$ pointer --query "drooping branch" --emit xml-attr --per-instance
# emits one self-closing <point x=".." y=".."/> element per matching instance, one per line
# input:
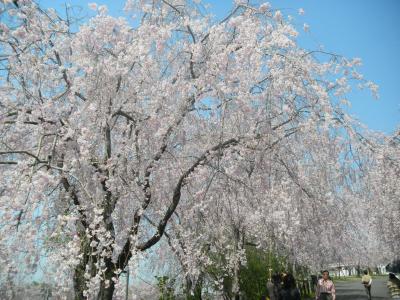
<point x="164" y="143"/>
<point x="8" y="163"/>
<point x="24" y="152"/>
<point x="70" y="189"/>
<point x="209" y="154"/>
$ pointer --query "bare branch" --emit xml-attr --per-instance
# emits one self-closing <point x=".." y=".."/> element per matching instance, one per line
<point x="23" y="152"/>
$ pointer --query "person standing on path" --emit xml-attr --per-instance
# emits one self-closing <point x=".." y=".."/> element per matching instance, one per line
<point x="289" y="289"/>
<point x="274" y="287"/>
<point x="367" y="282"/>
<point x="325" y="288"/>
<point x="394" y="286"/>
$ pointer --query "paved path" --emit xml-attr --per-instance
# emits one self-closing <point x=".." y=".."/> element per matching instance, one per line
<point x="354" y="290"/>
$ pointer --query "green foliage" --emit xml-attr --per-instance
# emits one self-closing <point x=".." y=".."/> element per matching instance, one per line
<point x="197" y="291"/>
<point x="260" y="265"/>
<point x="217" y="273"/>
<point x="166" y="287"/>
<point x="254" y="276"/>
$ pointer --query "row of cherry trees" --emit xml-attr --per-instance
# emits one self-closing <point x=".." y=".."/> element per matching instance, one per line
<point x="209" y="136"/>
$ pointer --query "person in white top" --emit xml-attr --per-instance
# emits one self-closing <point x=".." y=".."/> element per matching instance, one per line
<point x="325" y="288"/>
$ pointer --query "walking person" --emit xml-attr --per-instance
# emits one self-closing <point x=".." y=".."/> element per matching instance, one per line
<point x="325" y="288"/>
<point x="289" y="289"/>
<point x="394" y="286"/>
<point x="366" y="280"/>
<point x="274" y="287"/>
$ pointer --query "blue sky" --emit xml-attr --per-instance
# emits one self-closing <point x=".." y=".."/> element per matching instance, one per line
<point x="369" y="29"/>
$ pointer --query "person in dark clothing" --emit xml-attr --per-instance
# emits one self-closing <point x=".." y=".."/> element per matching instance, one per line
<point x="314" y="280"/>
<point x="274" y="287"/>
<point x="289" y="289"/>
<point x="394" y="286"/>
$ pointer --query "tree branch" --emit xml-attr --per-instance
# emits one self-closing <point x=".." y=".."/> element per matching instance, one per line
<point x="126" y="254"/>
<point x="23" y="152"/>
<point x="68" y="188"/>
<point x="177" y="191"/>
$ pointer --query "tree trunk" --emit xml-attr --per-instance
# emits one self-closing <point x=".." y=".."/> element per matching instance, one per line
<point x="236" y="270"/>
<point x="198" y="288"/>
<point x="294" y="268"/>
<point x="79" y="282"/>
<point x="188" y="287"/>
<point x="196" y="293"/>
<point x="106" y="293"/>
